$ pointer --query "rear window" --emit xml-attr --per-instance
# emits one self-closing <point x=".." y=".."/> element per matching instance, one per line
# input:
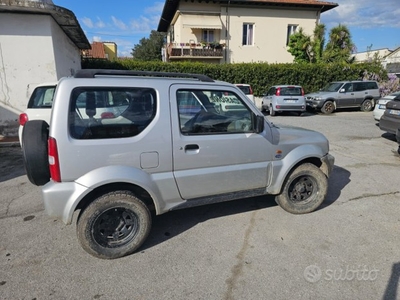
<point x="290" y="91"/>
<point x="245" y="89"/>
<point x="104" y="113"/>
<point x="42" y="97"/>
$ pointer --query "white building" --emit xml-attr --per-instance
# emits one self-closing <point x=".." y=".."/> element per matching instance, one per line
<point x="39" y="42"/>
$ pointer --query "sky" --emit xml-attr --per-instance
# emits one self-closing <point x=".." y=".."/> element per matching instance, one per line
<point x="372" y="23"/>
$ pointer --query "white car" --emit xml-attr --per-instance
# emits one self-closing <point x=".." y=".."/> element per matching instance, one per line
<point x="39" y="106"/>
<point x="380" y="105"/>
<point x="246" y="89"/>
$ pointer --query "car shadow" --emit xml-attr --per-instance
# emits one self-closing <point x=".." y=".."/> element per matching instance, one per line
<point x="11" y="162"/>
<point x="176" y="222"/>
<point x="338" y="179"/>
<point x="389" y="136"/>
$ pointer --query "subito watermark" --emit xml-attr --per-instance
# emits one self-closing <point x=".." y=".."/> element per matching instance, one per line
<point x="314" y="273"/>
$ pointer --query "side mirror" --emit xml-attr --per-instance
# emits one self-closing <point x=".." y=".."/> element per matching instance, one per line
<point x="260" y="124"/>
<point x="342" y="91"/>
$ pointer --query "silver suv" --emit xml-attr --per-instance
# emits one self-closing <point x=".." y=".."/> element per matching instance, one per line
<point x="177" y="141"/>
<point x="344" y="94"/>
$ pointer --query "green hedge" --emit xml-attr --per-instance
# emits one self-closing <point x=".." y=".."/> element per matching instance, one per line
<point x="260" y="75"/>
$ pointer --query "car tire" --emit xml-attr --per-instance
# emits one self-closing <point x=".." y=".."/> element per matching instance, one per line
<point x="114" y="225"/>
<point x="367" y="105"/>
<point x="34" y="151"/>
<point x="328" y="107"/>
<point x="304" y="190"/>
<point x="272" y="112"/>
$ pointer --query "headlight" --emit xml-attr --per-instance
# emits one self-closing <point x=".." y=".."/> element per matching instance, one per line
<point x="318" y="98"/>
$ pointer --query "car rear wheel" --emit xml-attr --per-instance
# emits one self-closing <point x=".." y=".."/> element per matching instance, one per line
<point x="367" y="105"/>
<point x="34" y="150"/>
<point x="272" y="112"/>
<point x="304" y="190"/>
<point x="114" y="225"/>
<point x="328" y="107"/>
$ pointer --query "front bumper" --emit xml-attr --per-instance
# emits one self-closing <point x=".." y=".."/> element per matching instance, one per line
<point x="328" y="161"/>
<point x="314" y="103"/>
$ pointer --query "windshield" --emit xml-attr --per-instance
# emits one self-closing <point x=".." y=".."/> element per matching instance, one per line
<point x="332" y="87"/>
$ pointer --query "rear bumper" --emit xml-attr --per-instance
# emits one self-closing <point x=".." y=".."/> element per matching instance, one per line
<point x="283" y="107"/>
<point x="389" y="124"/>
<point x="61" y="199"/>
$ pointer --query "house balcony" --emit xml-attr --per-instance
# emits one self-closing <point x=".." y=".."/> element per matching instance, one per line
<point x="194" y="52"/>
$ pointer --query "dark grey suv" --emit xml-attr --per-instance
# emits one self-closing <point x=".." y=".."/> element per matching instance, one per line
<point x="344" y="94"/>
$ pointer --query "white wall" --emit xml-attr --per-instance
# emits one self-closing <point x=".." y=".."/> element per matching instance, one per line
<point x="270" y="32"/>
<point x="33" y="49"/>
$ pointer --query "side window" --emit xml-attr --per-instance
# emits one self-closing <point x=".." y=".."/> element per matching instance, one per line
<point x="348" y="87"/>
<point x="271" y="91"/>
<point x="205" y="112"/>
<point x="42" y="97"/>
<point x="104" y="113"/>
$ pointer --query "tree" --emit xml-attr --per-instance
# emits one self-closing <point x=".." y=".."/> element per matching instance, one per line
<point x="149" y="48"/>
<point x="311" y="49"/>
<point x="299" y="46"/>
<point x="340" y="46"/>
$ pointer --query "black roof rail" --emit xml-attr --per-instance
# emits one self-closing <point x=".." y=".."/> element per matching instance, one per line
<point x="92" y="73"/>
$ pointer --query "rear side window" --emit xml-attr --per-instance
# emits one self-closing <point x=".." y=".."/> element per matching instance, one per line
<point x="371" y="85"/>
<point x="105" y="113"/>
<point x="42" y="97"/>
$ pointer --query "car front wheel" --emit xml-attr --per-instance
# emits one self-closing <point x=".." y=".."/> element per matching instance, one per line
<point x="114" y="225"/>
<point x="328" y="107"/>
<point x="304" y="190"/>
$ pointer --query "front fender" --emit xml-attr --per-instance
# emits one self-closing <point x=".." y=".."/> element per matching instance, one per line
<point x="281" y="168"/>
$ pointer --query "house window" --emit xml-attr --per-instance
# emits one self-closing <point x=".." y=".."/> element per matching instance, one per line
<point x="291" y="29"/>
<point x="208" y="36"/>
<point x="248" y="34"/>
<point x="171" y="34"/>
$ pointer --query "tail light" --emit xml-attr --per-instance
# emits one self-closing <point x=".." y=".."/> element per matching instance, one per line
<point x="54" y="163"/>
<point x="107" y="115"/>
<point x="250" y="90"/>
<point x="278" y="92"/>
<point x="23" y="118"/>
<point x="302" y="91"/>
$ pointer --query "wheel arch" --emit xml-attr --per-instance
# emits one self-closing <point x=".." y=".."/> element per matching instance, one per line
<point x="285" y="167"/>
<point x="135" y="189"/>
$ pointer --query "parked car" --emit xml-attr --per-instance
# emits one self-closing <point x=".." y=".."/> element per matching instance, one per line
<point x="171" y="148"/>
<point x="390" y="120"/>
<point x="39" y="106"/>
<point x="344" y="94"/>
<point x="280" y="98"/>
<point x="380" y="105"/>
<point x="246" y="89"/>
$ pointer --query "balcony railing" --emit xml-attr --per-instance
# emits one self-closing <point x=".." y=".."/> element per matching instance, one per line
<point x="194" y="52"/>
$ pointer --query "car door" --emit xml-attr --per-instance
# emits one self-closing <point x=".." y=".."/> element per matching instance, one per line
<point x="267" y="100"/>
<point x="360" y="92"/>
<point x="346" y="96"/>
<point x="216" y="151"/>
